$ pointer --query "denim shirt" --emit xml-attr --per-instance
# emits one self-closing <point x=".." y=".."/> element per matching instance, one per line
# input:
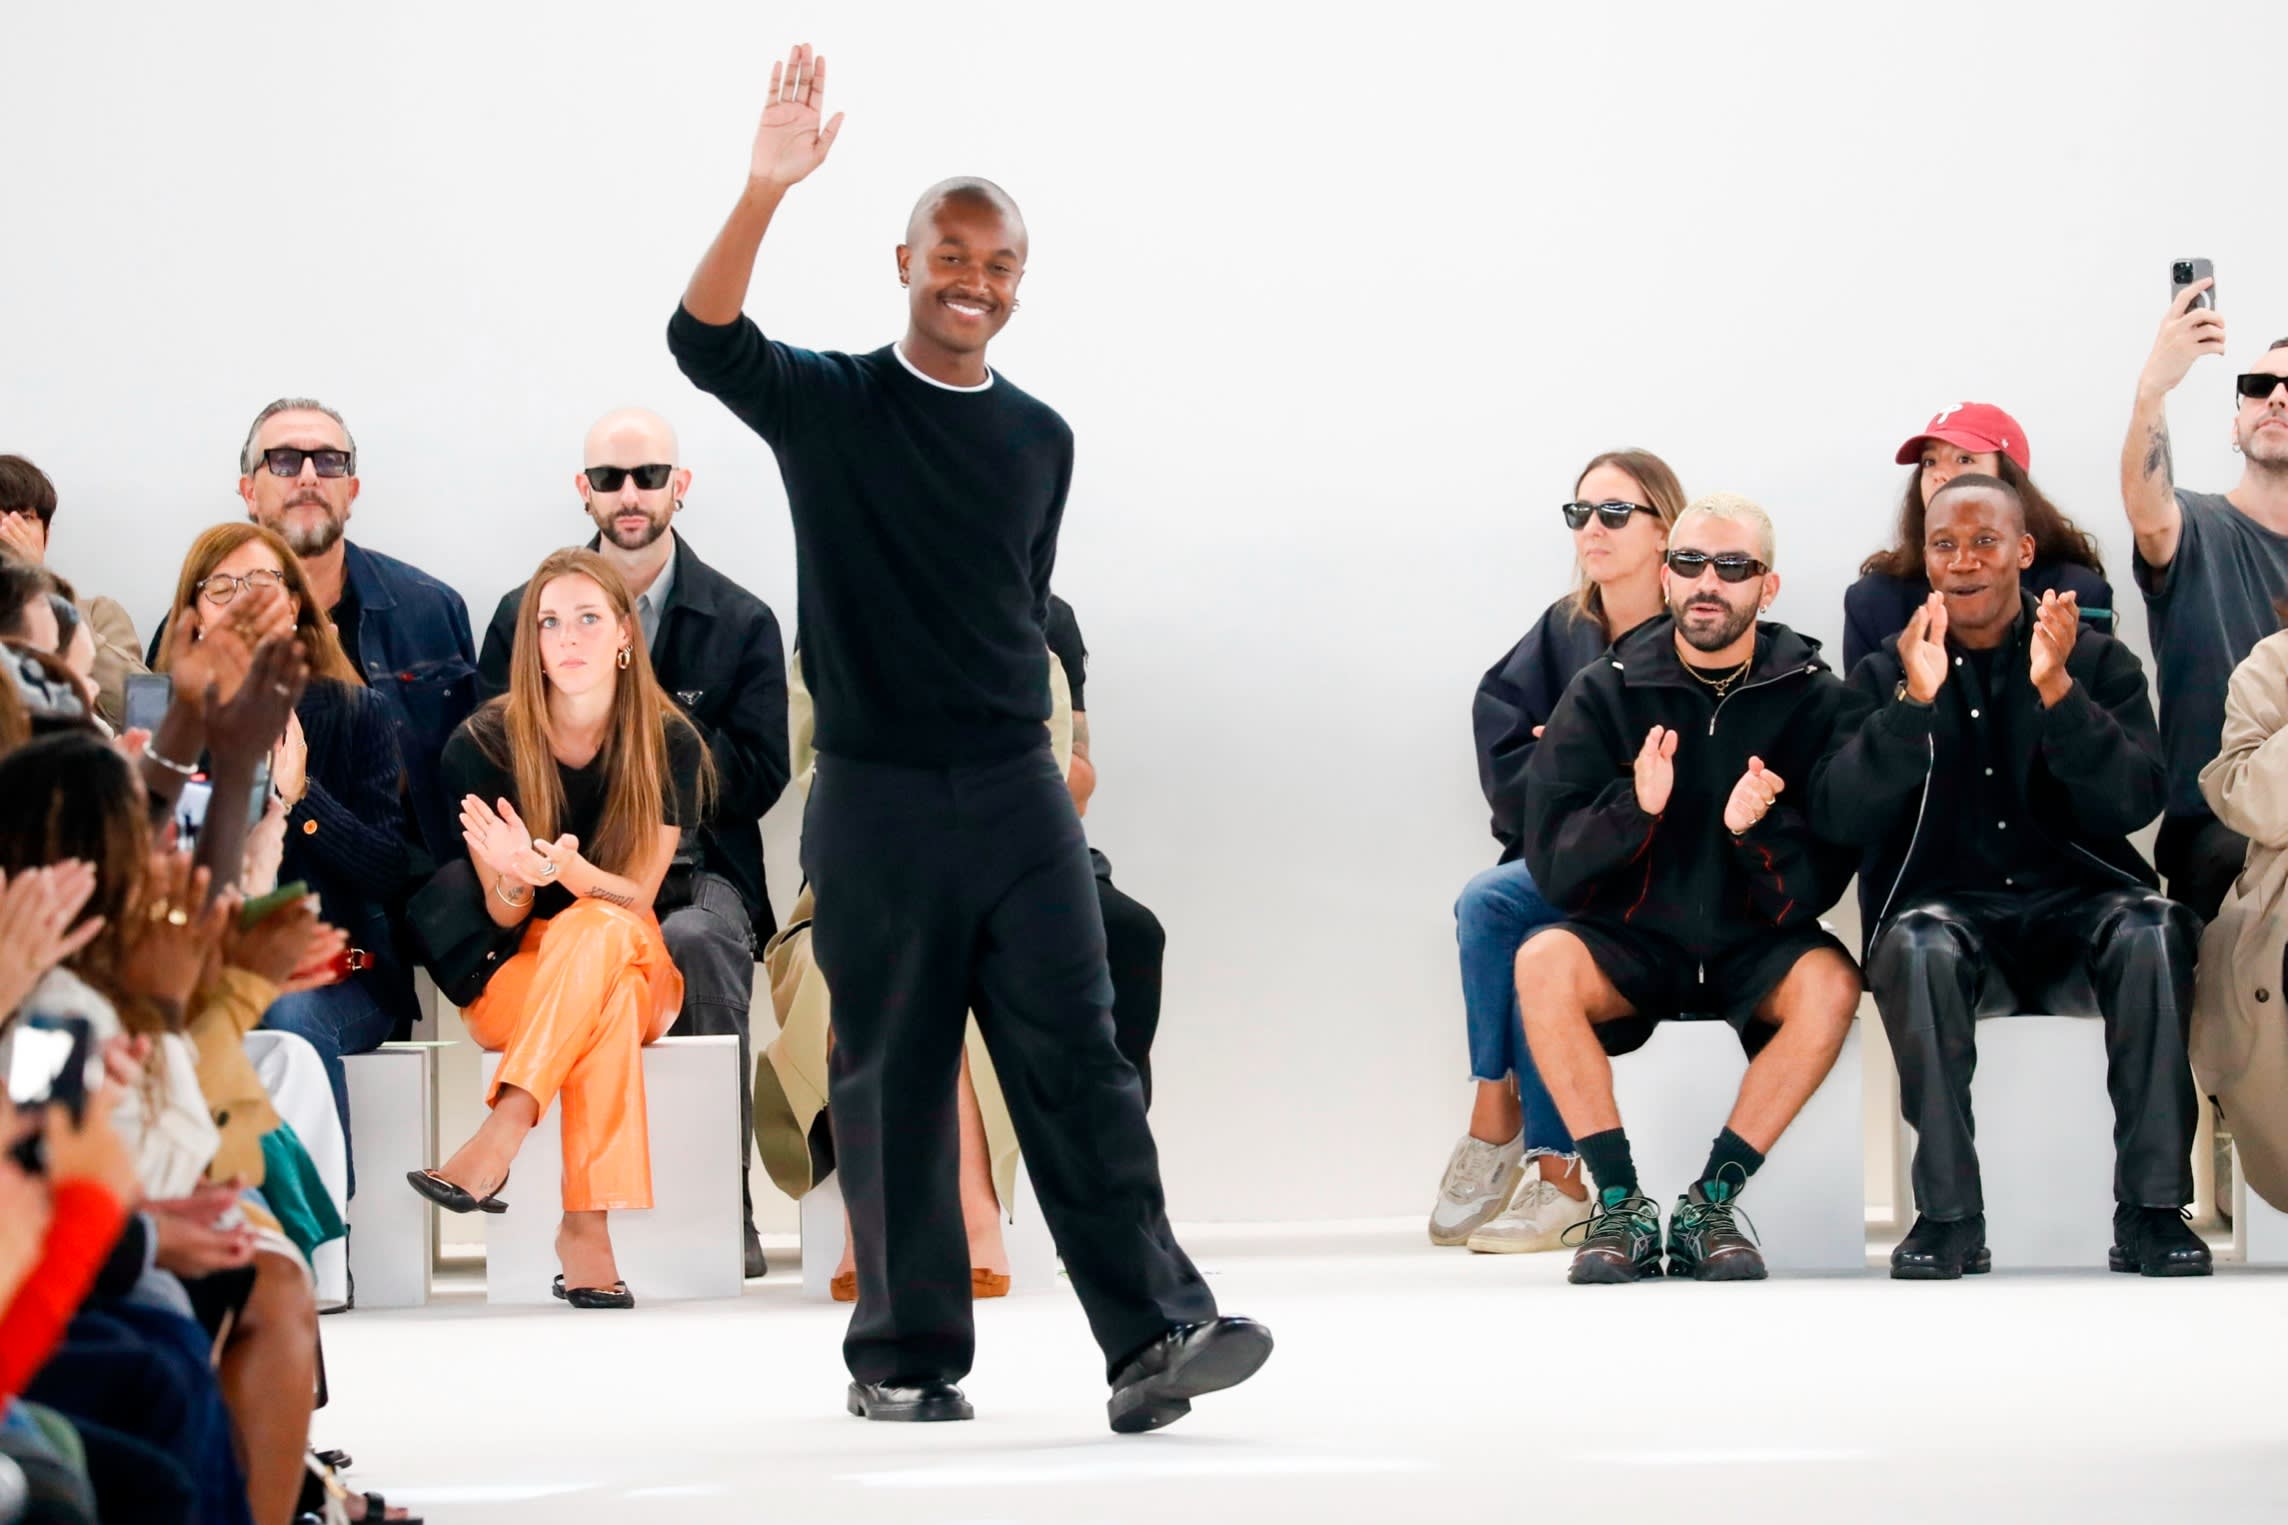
<point x="418" y="655"/>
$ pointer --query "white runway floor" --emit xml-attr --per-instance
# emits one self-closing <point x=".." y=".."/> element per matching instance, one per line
<point x="1409" y="1384"/>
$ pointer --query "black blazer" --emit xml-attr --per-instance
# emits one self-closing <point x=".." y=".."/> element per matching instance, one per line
<point x="719" y="656"/>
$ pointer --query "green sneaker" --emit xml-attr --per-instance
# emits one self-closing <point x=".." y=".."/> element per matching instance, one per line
<point x="1705" y="1241"/>
<point x="1621" y="1239"/>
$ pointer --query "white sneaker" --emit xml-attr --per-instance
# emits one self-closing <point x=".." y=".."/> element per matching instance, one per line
<point x="1479" y="1179"/>
<point x="1536" y="1219"/>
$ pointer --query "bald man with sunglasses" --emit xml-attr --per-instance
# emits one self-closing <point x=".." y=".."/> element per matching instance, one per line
<point x="1667" y="815"/>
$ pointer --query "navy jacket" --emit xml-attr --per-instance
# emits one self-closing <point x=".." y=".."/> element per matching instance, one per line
<point x="1516" y="694"/>
<point x="719" y="656"/>
<point x="2088" y="770"/>
<point x="1876" y="607"/>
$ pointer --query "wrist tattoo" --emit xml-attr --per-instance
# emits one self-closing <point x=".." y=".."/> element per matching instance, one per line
<point x="2159" y="464"/>
<point x="598" y="892"/>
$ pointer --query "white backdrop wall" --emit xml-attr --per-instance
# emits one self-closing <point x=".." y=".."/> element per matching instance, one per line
<point x="1337" y="299"/>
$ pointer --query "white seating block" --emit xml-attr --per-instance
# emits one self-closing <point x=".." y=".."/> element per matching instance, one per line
<point x="2045" y="1141"/>
<point x="393" y="1231"/>
<point x="689" y="1244"/>
<point x="2259" y="1230"/>
<point x="1808" y="1202"/>
<point x="1025" y="1234"/>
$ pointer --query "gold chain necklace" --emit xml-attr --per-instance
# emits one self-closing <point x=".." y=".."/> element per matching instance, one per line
<point x="1720" y="686"/>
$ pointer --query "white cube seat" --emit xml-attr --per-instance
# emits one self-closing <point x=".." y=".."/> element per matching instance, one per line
<point x="2045" y="1141"/>
<point x="392" y="1130"/>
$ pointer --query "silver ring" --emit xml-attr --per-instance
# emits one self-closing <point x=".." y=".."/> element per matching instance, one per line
<point x="280" y="689"/>
<point x="548" y="871"/>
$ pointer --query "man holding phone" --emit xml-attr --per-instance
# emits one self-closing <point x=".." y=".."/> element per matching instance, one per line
<point x="2211" y="566"/>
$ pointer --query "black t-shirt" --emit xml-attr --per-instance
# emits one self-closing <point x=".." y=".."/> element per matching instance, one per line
<point x="1070" y="651"/>
<point x="467" y="770"/>
<point x="925" y="531"/>
<point x="347" y="615"/>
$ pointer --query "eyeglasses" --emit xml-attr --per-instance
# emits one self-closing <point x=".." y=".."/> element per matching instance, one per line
<point x="1731" y="568"/>
<point x="1616" y="514"/>
<point x="608" y="478"/>
<point x="2256" y="386"/>
<point x="286" y="461"/>
<point x="222" y="587"/>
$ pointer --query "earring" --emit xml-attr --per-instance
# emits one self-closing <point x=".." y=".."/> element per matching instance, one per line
<point x="626" y="654"/>
<point x="1014" y="304"/>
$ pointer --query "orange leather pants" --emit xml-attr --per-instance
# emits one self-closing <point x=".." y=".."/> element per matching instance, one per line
<point x="569" y="1015"/>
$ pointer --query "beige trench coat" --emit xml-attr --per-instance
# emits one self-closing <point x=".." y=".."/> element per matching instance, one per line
<point x="2240" y="1011"/>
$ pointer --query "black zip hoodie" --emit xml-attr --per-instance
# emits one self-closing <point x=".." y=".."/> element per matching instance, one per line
<point x="2087" y="771"/>
<point x="1681" y="874"/>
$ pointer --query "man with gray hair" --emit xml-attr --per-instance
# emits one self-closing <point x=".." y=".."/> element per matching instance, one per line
<point x="407" y="632"/>
<point x="1664" y="814"/>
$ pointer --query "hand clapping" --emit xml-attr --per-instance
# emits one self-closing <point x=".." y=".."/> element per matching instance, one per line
<point x="1656" y="770"/>
<point x="2056" y="626"/>
<point x="1752" y="796"/>
<point x="1922" y="650"/>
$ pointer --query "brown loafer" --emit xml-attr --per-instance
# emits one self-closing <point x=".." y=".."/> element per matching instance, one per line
<point x="844" y="1288"/>
<point x="984" y="1283"/>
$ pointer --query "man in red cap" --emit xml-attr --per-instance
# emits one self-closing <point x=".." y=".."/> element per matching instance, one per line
<point x="2212" y="566"/>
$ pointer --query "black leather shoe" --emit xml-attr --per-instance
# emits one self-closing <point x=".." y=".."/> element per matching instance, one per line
<point x="616" y="1295"/>
<point x="756" y="1265"/>
<point x="1936" y="1251"/>
<point x="453" y="1198"/>
<point x="922" y="1403"/>
<point x="2156" y="1241"/>
<point x="1158" y="1384"/>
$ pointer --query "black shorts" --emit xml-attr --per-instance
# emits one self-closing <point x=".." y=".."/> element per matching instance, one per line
<point x="1662" y="982"/>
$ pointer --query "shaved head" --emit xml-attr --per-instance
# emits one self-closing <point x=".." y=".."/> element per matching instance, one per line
<point x="639" y="434"/>
<point x="972" y="193"/>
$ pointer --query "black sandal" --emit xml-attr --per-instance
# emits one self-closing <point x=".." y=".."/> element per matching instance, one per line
<point x="454" y="1199"/>
<point x="616" y="1295"/>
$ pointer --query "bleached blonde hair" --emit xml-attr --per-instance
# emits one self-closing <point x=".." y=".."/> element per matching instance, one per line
<point x="1733" y="509"/>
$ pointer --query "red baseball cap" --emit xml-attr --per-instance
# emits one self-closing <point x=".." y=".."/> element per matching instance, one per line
<point x="1979" y="426"/>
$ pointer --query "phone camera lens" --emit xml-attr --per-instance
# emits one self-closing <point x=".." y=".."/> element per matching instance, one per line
<point x="2184" y="273"/>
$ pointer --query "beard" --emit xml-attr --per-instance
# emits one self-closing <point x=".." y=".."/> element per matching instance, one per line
<point x="309" y="539"/>
<point x="1727" y="630"/>
<point x="635" y="539"/>
<point x="2265" y="449"/>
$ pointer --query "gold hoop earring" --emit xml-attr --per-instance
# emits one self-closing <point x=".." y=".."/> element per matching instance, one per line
<point x="627" y="654"/>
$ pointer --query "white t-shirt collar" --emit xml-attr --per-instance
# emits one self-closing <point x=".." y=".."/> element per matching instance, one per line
<point x="899" y="350"/>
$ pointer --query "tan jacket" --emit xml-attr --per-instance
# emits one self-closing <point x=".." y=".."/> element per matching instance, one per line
<point x="221" y="1016"/>
<point x="2240" y="1011"/>
<point x="117" y="655"/>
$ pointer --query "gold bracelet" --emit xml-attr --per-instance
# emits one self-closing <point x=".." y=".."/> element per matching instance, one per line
<point x="514" y="905"/>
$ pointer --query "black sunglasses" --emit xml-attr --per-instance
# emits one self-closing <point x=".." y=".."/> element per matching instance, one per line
<point x="286" y="461"/>
<point x="1730" y="567"/>
<point x="650" y="478"/>
<point x="2256" y="386"/>
<point x="1616" y="514"/>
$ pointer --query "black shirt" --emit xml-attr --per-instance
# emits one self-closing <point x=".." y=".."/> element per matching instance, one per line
<point x="467" y="770"/>
<point x="1997" y="844"/>
<point x="1070" y="651"/>
<point x="925" y="527"/>
<point x="346" y="615"/>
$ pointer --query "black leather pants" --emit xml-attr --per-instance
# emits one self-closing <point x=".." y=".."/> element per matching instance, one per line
<point x="2124" y="955"/>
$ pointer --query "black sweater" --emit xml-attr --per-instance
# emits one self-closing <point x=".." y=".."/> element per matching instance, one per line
<point x="2087" y="772"/>
<point x="1516" y="694"/>
<point x="1682" y="874"/>
<point x="925" y="527"/>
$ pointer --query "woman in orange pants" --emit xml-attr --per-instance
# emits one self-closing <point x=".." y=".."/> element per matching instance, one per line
<point x="575" y="788"/>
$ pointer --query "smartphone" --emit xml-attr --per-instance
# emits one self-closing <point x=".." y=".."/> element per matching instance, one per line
<point x="262" y="907"/>
<point x="52" y="1061"/>
<point x="148" y="695"/>
<point x="2184" y="272"/>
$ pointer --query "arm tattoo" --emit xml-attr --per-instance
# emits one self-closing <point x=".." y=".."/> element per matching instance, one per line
<point x="598" y="892"/>
<point x="1080" y="732"/>
<point x="2159" y="464"/>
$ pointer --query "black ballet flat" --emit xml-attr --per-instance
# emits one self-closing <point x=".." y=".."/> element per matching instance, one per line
<point x="616" y="1295"/>
<point x="454" y="1199"/>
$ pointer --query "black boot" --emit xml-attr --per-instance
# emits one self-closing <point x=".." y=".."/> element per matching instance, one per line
<point x="1942" y="1251"/>
<point x="2156" y="1241"/>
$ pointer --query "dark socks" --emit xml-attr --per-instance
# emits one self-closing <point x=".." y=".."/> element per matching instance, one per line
<point x="1610" y="1166"/>
<point x="1732" y="1150"/>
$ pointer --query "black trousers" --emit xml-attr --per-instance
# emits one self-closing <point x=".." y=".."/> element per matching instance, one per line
<point x="945" y="891"/>
<point x="2124" y="955"/>
<point x="2200" y="856"/>
<point x="1134" y="946"/>
<point x="712" y="941"/>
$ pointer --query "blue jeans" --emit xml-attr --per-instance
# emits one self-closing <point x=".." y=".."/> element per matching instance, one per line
<point x="337" y="1019"/>
<point x="1498" y="911"/>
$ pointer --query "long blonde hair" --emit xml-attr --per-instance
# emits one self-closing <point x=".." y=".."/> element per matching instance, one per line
<point x="514" y="731"/>
<point x="1662" y="491"/>
<point x="312" y="627"/>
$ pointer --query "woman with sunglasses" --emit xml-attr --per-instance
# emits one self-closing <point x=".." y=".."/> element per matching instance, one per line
<point x="575" y="787"/>
<point x="1969" y="437"/>
<point x="334" y="778"/>
<point x="1494" y="1197"/>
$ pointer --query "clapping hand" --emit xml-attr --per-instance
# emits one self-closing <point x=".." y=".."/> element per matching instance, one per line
<point x="1656" y="769"/>
<point x="790" y="142"/>
<point x="173" y="932"/>
<point x="498" y="838"/>
<point x="2056" y="626"/>
<point x="1922" y="650"/>
<point x="36" y="927"/>
<point x="1752" y="796"/>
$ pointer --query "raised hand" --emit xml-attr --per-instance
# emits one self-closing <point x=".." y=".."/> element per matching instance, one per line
<point x="1752" y="796"/>
<point x="36" y="929"/>
<point x="558" y="858"/>
<point x="790" y="143"/>
<point x="1922" y="650"/>
<point x="22" y="532"/>
<point x="1656" y="769"/>
<point x="2187" y="333"/>
<point x="2056" y="625"/>
<point x="172" y="932"/>
<point x="290" y="762"/>
<point x="497" y="838"/>
<point x="278" y="945"/>
<point x="213" y="652"/>
<point x="242" y="727"/>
